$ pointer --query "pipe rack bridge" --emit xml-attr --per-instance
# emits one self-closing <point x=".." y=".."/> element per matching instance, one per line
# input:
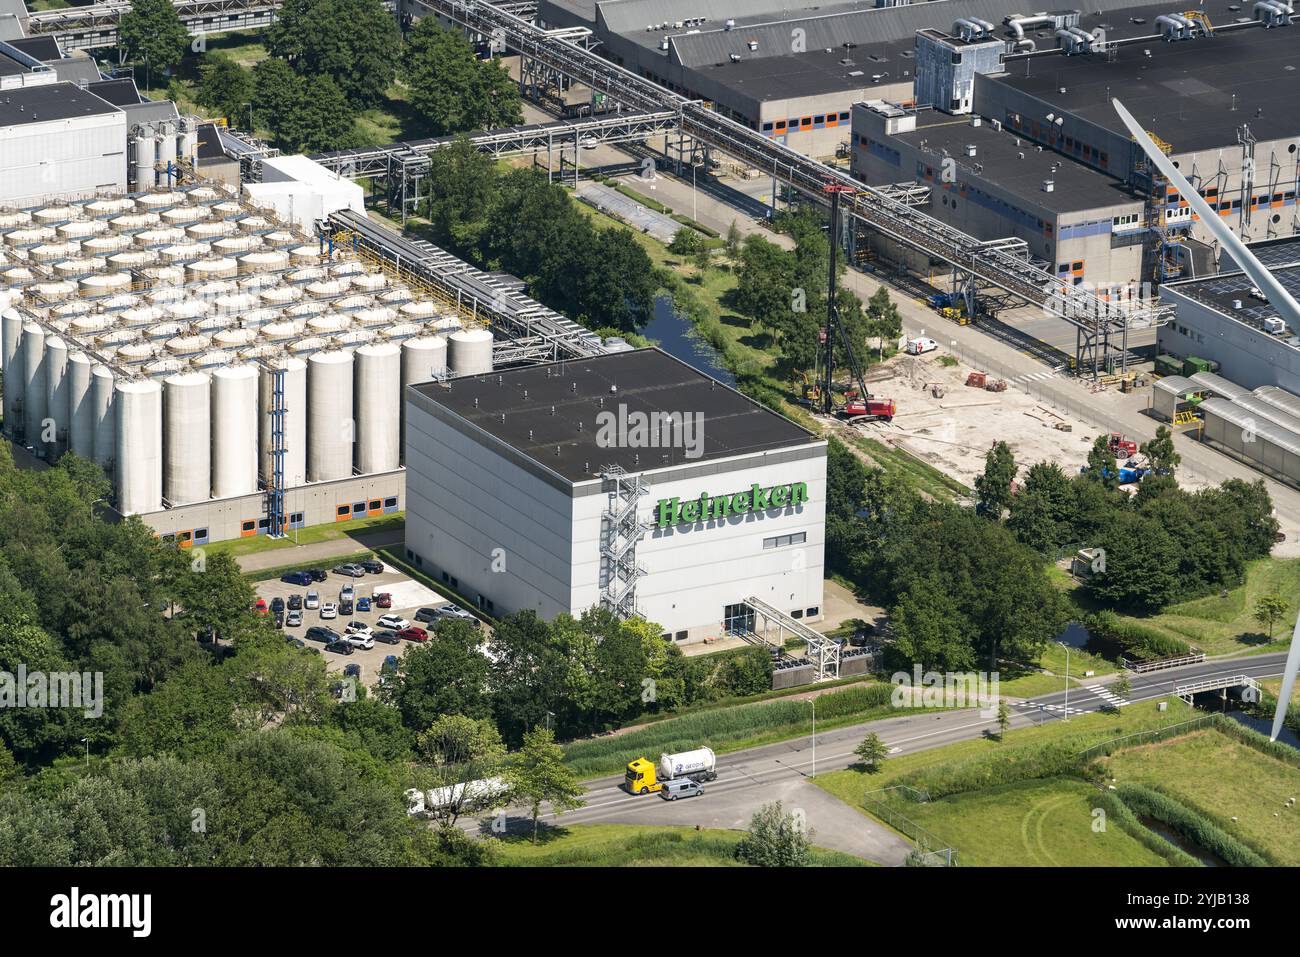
<point x="534" y="333"/>
<point x="95" y="25"/>
<point x="1101" y="325"/>
<point x="532" y="138"/>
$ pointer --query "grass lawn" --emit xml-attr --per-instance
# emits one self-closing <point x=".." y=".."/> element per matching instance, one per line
<point x="1220" y="626"/>
<point x="1044" y="823"/>
<point x="1086" y="730"/>
<point x="1211" y="771"/>
<point x="1274" y="687"/>
<point x="630" y="845"/>
<point x="309" y="536"/>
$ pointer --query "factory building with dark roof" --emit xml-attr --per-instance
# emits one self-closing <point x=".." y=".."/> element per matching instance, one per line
<point x="628" y="480"/>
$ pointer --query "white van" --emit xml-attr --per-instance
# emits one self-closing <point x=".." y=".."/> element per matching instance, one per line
<point x="921" y="345"/>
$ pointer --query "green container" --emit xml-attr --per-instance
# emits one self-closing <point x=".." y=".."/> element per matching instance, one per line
<point x="1168" y="365"/>
<point x="1195" y="364"/>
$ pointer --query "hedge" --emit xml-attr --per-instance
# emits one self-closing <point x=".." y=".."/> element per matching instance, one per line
<point x="1138" y="640"/>
<point x="1193" y="825"/>
<point x="1001" y="767"/>
<point x="1117" y="812"/>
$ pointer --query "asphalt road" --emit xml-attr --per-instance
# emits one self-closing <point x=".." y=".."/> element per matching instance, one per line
<point x="756" y="776"/>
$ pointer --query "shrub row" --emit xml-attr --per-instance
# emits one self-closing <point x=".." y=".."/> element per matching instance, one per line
<point x="1191" y="824"/>
<point x="1001" y="767"/>
<point x="1117" y="812"/>
<point x="1136" y="640"/>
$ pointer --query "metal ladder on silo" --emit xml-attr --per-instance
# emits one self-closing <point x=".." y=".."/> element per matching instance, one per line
<point x="275" y="491"/>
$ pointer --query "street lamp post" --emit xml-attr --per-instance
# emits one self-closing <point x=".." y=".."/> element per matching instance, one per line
<point x="1067" y="680"/>
<point x="86" y="742"/>
<point x="813" y="702"/>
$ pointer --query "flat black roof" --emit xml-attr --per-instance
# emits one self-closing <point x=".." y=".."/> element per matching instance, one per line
<point x="1019" y="169"/>
<point x="1185" y="91"/>
<point x="1282" y="251"/>
<point x="809" y="74"/>
<point x="54" y="101"/>
<point x="41" y="48"/>
<point x="1222" y="291"/>
<point x="641" y="380"/>
<point x="121" y="92"/>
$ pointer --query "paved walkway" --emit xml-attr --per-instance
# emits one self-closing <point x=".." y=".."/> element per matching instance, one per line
<point x="319" y="552"/>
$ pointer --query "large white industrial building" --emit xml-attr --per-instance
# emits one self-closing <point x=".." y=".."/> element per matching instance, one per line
<point x="206" y="354"/>
<point x="534" y="489"/>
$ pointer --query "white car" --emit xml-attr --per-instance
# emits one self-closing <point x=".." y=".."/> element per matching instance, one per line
<point x="455" y="613"/>
<point x="920" y="346"/>
<point x="356" y="627"/>
<point x="362" y="640"/>
<point x="313" y="600"/>
<point x="347" y="593"/>
<point x="395" y="622"/>
<point x="329" y="610"/>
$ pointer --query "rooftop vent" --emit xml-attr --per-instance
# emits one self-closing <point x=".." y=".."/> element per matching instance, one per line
<point x="1049" y="186"/>
<point x="970" y="149"/>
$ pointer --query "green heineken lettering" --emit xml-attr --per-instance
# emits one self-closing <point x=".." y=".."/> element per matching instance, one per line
<point x="673" y="511"/>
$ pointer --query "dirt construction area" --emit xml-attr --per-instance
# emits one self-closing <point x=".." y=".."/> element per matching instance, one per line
<point x="951" y="425"/>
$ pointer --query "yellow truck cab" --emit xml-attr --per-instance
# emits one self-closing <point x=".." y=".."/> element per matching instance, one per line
<point x="641" y="778"/>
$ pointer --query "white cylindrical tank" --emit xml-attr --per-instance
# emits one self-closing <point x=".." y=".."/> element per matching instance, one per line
<point x="109" y="207"/>
<point x="329" y="322"/>
<point x="33" y="386"/>
<point x="377" y="410"/>
<point x="209" y="231"/>
<point x="418" y="310"/>
<point x="103" y="418"/>
<point x="56" y="396"/>
<point x="11" y="333"/>
<point x="295" y="420"/>
<point x="105" y="284"/>
<point x="58" y="213"/>
<point x="686" y="764"/>
<point x="106" y="245"/>
<point x="227" y="210"/>
<point x="82" y="229"/>
<point x="236" y="245"/>
<point x="469" y="352"/>
<point x="190" y="141"/>
<point x="184" y="215"/>
<point x="160" y="200"/>
<point x="423" y="358"/>
<point x="233" y="338"/>
<point x="330" y="428"/>
<point x="206" y="269"/>
<point x="138" y="458"/>
<point x="302" y="255"/>
<point x="234" y="431"/>
<point x="146" y="154"/>
<point x="187" y="437"/>
<point x="369" y="282"/>
<point x="280" y="239"/>
<point x="252" y="224"/>
<point x="81" y="421"/>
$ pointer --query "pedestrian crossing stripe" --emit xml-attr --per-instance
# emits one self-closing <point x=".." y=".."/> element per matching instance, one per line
<point x="1102" y="692"/>
<point x="1036" y="376"/>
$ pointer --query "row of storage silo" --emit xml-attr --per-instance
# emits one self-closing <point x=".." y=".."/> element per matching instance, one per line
<point x="199" y="433"/>
<point x="154" y="146"/>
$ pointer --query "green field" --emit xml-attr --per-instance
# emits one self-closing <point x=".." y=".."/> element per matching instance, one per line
<point x="1219" y="626"/>
<point x="1030" y="824"/>
<point x="309" y="536"/>
<point x="1213" y="772"/>
<point x="628" y="845"/>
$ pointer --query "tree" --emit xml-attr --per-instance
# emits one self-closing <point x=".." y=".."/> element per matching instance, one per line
<point x="1269" y="609"/>
<point x="764" y="288"/>
<point x="539" y="775"/>
<point x="445" y="676"/>
<point x="873" y="751"/>
<point x="1042" y="510"/>
<point x="733" y="243"/>
<point x="320" y="119"/>
<point x="151" y="32"/>
<point x="1004" y="718"/>
<point x="353" y="42"/>
<point x="702" y="259"/>
<point x="885" y="320"/>
<point x="1160" y="451"/>
<point x="462" y="751"/>
<point x="276" y="92"/>
<point x="930" y="630"/>
<point x="462" y="185"/>
<point x="454" y="90"/>
<point x="528" y="676"/>
<point x="226" y="87"/>
<point x="994" y="486"/>
<point x="775" y="839"/>
<point x="1121" y="686"/>
<point x="1102" y="467"/>
<point x="686" y="242"/>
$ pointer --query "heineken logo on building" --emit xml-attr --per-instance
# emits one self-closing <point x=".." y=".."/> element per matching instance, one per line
<point x="673" y="511"/>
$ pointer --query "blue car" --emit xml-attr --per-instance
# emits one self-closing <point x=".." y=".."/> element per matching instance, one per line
<point x="297" y="578"/>
<point x="390" y="663"/>
<point x="363" y="603"/>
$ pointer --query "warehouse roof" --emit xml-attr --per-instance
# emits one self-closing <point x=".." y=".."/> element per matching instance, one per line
<point x="121" y="92"/>
<point x="1002" y="159"/>
<point x="1222" y="292"/>
<point x="561" y="406"/>
<point x="53" y="101"/>
<point x="788" y="77"/>
<point x="1195" y="94"/>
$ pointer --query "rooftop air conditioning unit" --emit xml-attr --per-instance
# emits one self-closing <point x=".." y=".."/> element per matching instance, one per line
<point x="974" y="120"/>
<point x="753" y="45"/>
<point x="1274" y="326"/>
<point x="729" y="24"/>
<point x="1049" y="186"/>
<point x="970" y="149"/>
<point x="735" y="58"/>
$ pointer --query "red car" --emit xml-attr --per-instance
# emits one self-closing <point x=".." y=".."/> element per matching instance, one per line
<point x="260" y="607"/>
<point x="383" y="599"/>
<point x="413" y="634"/>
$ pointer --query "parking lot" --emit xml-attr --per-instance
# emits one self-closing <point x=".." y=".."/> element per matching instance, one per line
<point x="408" y="597"/>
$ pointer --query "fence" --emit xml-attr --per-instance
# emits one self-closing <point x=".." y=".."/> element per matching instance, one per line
<point x="933" y="851"/>
<point x="1147" y="737"/>
<point x="1160" y="664"/>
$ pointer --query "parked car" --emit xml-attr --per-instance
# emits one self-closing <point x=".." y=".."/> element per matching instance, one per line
<point x="277" y="604"/>
<point x="363" y="603"/>
<point x="360" y="639"/>
<point x="390" y="663"/>
<point x="347" y="593"/>
<point x="259" y="606"/>
<point x="356" y="627"/>
<point x="351" y="569"/>
<point x="297" y="578"/>
<point x="296" y="642"/>
<point x="411" y="633"/>
<point x="456" y="613"/>
<point x="372" y="565"/>
<point x="426" y="614"/>
<point x="340" y="647"/>
<point x="317" y="574"/>
<point x="352" y="671"/>
<point x="386" y="635"/>
<point x="294" y="618"/>
<point x="396" y="622"/>
<point x="681" y="788"/>
<point x="329" y="610"/>
<point x="279" y="619"/>
<point x="383" y="599"/>
<point x="345" y="608"/>
<point x="321" y="633"/>
<point x="313" y="600"/>
<point x="295" y="602"/>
